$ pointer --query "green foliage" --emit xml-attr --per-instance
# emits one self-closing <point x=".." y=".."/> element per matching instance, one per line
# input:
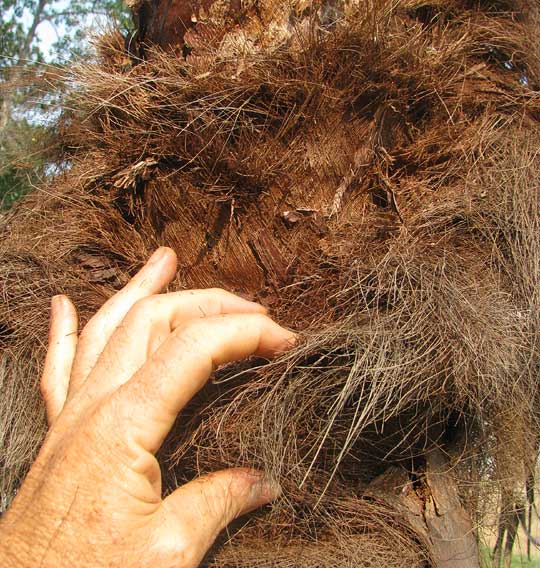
<point x="21" y="22"/>
<point x="22" y="160"/>
<point x="518" y="560"/>
<point x="12" y="186"/>
<point x="24" y="54"/>
<point x="521" y="561"/>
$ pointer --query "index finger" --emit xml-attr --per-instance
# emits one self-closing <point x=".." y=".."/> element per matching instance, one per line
<point x="147" y="405"/>
<point x="152" y="278"/>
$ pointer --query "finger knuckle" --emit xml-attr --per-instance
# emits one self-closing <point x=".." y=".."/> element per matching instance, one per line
<point x="143" y="307"/>
<point x="231" y="508"/>
<point x="194" y="330"/>
<point x="190" y="340"/>
<point x="160" y="364"/>
<point x="181" y="549"/>
<point x="101" y="430"/>
<point x="260" y="319"/>
<point x="218" y="292"/>
<point x="227" y="489"/>
<point x="211" y="302"/>
<point x="89" y="330"/>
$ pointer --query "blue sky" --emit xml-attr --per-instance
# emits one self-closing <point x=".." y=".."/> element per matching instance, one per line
<point x="47" y="33"/>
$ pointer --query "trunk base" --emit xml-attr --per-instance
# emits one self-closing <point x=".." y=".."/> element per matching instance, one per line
<point x="430" y="502"/>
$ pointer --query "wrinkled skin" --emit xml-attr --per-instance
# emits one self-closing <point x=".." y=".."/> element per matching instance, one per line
<point x="94" y="495"/>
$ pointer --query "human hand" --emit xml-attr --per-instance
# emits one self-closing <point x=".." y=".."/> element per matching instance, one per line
<point x="93" y="496"/>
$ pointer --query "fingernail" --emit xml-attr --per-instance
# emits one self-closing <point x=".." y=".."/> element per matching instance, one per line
<point x="158" y="255"/>
<point x="265" y="490"/>
<point x="290" y="342"/>
<point x="57" y="303"/>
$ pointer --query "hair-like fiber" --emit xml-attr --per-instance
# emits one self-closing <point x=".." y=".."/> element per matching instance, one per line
<point x="368" y="170"/>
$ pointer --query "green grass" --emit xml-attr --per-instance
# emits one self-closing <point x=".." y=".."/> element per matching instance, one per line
<point x="518" y="560"/>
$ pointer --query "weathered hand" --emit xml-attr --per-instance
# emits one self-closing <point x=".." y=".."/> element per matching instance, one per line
<point x="93" y="497"/>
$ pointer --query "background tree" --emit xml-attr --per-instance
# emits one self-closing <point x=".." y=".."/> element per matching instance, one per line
<point x="37" y="35"/>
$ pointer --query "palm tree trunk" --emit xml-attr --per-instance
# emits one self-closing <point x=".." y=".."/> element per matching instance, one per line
<point x="432" y="506"/>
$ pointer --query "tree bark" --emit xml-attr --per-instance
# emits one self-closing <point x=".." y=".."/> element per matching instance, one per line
<point x="165" y="22"/>
<point x="431" y="504"/>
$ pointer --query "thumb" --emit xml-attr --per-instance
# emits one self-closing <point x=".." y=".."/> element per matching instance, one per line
<point x="208" y="504"/>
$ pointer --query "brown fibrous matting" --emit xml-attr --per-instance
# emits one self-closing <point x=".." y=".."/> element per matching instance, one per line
<point x="367" y="170"/>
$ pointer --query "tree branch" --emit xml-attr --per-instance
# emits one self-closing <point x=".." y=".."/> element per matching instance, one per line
<point x="22" y="57"/>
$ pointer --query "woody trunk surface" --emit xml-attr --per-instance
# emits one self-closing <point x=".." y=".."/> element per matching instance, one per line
<point x="369" y="171"/>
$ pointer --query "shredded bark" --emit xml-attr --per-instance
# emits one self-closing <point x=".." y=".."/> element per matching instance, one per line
<point x="369" y="171"/>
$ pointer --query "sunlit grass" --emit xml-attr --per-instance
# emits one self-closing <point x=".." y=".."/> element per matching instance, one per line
<point x="518" y="560"/>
